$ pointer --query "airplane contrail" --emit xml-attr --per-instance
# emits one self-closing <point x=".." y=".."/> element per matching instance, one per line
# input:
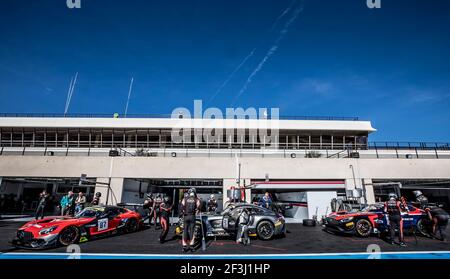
<point x="271" y="51"/>
<point x="282" y="15"/>
<point x="70" y="93"/>
<point x="231" y="76"/>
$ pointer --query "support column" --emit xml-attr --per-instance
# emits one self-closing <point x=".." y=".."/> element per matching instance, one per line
<point x="115" y="190"/>
<point x="370" y="193"/>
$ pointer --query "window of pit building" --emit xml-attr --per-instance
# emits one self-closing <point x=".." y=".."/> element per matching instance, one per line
<point x="338" y="142"/>
<point x="39" y="138"/>
<point x="326" y="142"/>
<point x="107" y="138"/>
<point x="85" y="138"/>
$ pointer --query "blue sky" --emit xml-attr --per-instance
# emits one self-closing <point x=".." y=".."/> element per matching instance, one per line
<point x="388" y="65"/>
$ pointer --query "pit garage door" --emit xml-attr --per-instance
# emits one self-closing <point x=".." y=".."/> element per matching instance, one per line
<point x="305" y="198"/>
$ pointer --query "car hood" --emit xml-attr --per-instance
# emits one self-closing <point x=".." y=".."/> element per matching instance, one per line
<point x="53" y="221"/>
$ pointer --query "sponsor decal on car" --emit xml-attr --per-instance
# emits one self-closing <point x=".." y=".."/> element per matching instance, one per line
<point x="102" y="224"/>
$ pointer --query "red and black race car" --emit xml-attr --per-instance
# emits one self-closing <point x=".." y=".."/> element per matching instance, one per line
<point x="372" y="219"/>
<point x="89" y="223"/>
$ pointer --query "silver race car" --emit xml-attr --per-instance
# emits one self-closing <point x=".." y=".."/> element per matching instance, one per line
<point x="265" y="223"/>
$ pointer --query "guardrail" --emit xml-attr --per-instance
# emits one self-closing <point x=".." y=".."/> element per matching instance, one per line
<point x="108" y="115"/>
<point x="232" y="152"/>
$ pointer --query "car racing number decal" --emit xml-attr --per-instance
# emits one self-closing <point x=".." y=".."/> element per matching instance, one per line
<point x="225" y="222"/>
<point x="102" y="224"/>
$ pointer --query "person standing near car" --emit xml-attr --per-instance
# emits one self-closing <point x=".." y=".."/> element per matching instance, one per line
<point x="157" y="211"/>
<point x="165" y="209"/>
<point x="266" y="201"/>
<point x="67" y="203"/>
<point x="393" y="208"/>
<point x="212" y="204"/>
<point x="148" y="207"/>
<point x="80" y="202"/>
<point x="43" y="197"/>
<point x="96" y="199"/>
<point x="190" y="206"/>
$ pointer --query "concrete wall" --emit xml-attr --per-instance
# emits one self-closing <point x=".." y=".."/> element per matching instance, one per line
<point x="223" y="168"/>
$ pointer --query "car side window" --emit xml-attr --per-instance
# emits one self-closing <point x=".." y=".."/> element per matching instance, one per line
<point x="235" y="213"/>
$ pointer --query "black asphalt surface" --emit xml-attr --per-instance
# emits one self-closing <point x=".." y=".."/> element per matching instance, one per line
<point x="299" y="239"/>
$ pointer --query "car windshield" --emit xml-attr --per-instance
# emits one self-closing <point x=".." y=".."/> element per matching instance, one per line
<point x="90" y="212"/>
<point x="371" y="208"/>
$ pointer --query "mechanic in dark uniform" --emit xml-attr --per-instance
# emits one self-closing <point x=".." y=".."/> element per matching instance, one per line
<point x="212" y="204"/>
<point x="96" y="200"/>
<point x="439" y="217"/>
<point x="148" y="207"/>
<point x="157" y="211"/>
<point x="190" y="206"/>
<point x="165" y="209"/>
<point x="43" y="197"/>
<point x="394" y="208"/>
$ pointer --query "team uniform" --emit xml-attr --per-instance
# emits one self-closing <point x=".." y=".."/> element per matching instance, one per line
<point x="393" y="208"/>
<point x="190" y="206"/>
<point x="165" y="209"/>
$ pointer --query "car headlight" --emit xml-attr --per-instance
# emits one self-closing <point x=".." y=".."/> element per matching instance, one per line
<point x="47" y="230"/>
<point x="345" y="220"/>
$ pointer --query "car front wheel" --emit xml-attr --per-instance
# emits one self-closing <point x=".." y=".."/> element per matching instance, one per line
<point x="265" y="230"/>
<point x="69" y="235"/>
<point x="131" y="225"/>
<point x="363" y="228"/>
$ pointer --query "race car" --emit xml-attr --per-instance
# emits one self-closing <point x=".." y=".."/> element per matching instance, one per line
<point x="373" y="219"/>
<point x="265" y="223"/>
<point x="90" y="223"/>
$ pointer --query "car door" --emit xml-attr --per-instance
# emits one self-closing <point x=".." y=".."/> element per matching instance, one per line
<point x="107" y="221"/>
<point x="230" y="220"/>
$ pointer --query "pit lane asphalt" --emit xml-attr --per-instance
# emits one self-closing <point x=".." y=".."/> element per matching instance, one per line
<point x="299" y="239"/>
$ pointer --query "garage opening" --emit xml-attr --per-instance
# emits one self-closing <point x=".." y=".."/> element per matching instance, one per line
<point x="135" y="190"/>
<point x="301" y="199"/>
<point x="20" y="195"/>
<point x="436" y="190"/>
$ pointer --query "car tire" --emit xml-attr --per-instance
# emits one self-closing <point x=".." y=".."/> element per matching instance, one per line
<point x="422" y="227"/>
<point x="363" y="228"/>
<point x="265" y="230"/>
<point x="309" y="222"/>
<point x="131" y="225"/>
<point x="69" y="235"/>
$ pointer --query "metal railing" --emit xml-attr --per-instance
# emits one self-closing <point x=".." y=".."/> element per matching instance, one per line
<point x="263" y="152"/>
<point x="110" y="115"/>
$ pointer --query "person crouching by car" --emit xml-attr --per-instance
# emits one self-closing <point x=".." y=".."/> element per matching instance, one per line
<point x="393" y="208"/>
<point x="165" y="209"/>
<point x="439" y="217"/>
<point x="245" y="219"/>
<point x="190" y="207"/>
<point x="67" y="203"/>
<point x="80" y="202"/>
<point x="43" y="197"/>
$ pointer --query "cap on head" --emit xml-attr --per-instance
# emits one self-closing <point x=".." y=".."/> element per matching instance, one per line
<point x="417" y="193"/>
<point x="392" y="196"/>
